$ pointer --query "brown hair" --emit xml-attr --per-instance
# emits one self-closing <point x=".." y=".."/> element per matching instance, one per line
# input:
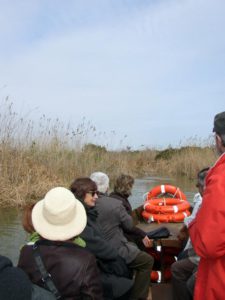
<point x="124" y="184"/>
<point x="80" y="186"/>
<point x="27" y="219"/>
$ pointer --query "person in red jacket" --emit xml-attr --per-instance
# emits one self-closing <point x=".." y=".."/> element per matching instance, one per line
<point x="207" y="231"/>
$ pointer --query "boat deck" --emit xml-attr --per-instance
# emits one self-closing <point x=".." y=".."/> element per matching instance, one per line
<point x="174" y="228"/>
<point x="160" y="291"/>
<point x="163" y="290"/>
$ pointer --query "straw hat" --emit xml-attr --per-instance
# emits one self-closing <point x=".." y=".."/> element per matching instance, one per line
<point x="59" y="216"/>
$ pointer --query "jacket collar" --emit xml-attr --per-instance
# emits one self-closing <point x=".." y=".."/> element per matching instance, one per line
<point x="219" y="161"/>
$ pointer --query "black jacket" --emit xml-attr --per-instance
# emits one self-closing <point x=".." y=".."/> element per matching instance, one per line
<point x="14" y="283"/>
<point x="94" y="239"/>
<point x="114" y="271"/>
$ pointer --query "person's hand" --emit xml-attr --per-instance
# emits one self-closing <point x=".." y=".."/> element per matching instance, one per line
<point x="147" y="242"/>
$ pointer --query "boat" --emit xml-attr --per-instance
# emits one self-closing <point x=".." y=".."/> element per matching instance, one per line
<point x="161" y="290"/>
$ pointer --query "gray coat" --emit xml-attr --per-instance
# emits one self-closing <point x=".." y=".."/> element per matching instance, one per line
<point x="113" y="219"/>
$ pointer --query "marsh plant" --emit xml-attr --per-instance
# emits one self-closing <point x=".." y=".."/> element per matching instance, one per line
<point x="36" y="156"/>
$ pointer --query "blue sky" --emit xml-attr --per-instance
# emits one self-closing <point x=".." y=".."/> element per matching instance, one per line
<point x="153" y="71"/>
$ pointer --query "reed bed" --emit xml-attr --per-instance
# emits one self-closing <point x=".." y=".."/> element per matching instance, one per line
<point x="35" y="157"/>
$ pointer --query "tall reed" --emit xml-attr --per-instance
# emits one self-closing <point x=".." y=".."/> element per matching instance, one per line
<point x="35" y="157"/>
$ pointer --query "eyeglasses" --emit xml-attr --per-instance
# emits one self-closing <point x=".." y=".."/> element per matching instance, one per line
<point x="92" y="193"/>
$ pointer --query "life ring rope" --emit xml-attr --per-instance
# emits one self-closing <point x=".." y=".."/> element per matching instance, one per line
<point x="165" y="209"/>
<point x="166" y="205"/>
<point x="165" y="218"/>
<point x="166" y="189"/>
<point x="144" y="196"/>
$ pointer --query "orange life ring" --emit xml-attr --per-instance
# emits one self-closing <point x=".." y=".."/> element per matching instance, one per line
<point x="166" y="205"/>
<point x="165" y="218"/>
<point x="166" y="189"/>
<point x="156" y="276"/>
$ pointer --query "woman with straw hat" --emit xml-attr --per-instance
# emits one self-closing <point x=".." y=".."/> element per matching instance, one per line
<point x="58" y="219"/>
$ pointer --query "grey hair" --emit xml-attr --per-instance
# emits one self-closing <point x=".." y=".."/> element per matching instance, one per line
<point x="102" y="181"/>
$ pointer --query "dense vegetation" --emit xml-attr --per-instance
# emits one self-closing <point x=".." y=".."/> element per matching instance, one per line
<point x="35" y="158"/>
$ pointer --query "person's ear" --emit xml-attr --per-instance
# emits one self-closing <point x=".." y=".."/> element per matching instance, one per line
<point x="219" y="144"/>
<point x="218" y="140"/>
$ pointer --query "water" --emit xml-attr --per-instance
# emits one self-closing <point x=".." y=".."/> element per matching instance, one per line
<point x="13" y="237"/>
<point x="142" y="186"/>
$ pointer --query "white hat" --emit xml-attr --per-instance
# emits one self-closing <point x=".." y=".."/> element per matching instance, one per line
<point x="59" y="216"/>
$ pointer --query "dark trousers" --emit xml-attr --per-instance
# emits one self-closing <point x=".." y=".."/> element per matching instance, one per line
<point x="182" y="270"/>
<point x="142" y="266"/>
<point x="191" y="283"/>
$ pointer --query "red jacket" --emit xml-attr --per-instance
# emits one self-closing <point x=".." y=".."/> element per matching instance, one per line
<point x="207" y="234"/>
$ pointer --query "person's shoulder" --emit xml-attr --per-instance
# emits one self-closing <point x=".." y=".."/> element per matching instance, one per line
<point x="116" y="196"/>
<point x="197" y="198"/>
<point x="73" y="261"/>
<point x="26" y="249"/>
<point x="216" y="174"/>
<point x="84" y="257"/>
<point x="4" y="262"/>
<point x="218" y="167"/>
<point x="109" y="201"/>
<point x="74" y="253"/>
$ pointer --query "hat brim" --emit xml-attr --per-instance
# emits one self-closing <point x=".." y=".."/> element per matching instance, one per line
<point x="59" y="232"/>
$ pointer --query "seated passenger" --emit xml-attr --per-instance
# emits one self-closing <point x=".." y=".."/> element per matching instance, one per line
<point x="58" y="218"/>
<point x="114" y="220"/>
<point x="182" y="270"/>
<point x="33" y="235"/>
<point x="113" y="267"/>
<point x="122" y="191"/>
<point x="14" y="283"/>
